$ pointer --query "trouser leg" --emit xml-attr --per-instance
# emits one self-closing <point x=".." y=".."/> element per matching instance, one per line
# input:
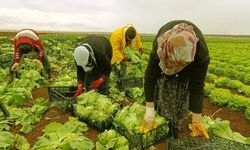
<point x="46" y="65"/>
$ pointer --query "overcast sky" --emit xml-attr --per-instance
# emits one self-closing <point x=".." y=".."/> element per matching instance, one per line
<point x="211" y="16"/>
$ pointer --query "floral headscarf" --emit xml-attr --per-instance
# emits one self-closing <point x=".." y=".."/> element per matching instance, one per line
<point x="176" y="48"/>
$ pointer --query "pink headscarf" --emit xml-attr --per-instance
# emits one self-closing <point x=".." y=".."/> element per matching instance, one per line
<point x="176" y="48"/>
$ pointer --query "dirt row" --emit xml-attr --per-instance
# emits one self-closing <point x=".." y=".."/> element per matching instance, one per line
<point x="239" y="123"/>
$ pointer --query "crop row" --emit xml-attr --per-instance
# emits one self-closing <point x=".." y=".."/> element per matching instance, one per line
<point x="224" y="97"/>
<point x="227" y="83"/>
<point x="230" y="73"/>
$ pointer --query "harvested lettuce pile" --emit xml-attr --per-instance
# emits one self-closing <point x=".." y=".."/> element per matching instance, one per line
<point x="222" y="129"/>
<point x="131" y="118"/>
<point x="110" y="139"/>
<point x="95" y="106"/>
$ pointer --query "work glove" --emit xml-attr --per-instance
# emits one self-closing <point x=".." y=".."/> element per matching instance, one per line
<point x="38" y="63"/>
<point x="79" y="91"/>
<point x="197" y="129"/>
<point x="149" y="118"/>
<point x="97" y="83"/>
<point x="141" y="50"/>
<point x="15" y="67"/>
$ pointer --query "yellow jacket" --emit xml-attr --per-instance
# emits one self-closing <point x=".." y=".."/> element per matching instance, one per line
<point x="118" y="42"/>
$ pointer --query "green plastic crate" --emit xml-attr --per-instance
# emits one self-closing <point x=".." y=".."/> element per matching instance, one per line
<point x="67" y="91"/>
<point x="61" y="97"/>
<point x="99" y="125"/>
<point x="200" y="143"/>
<point x="142" y="141"/>
<point x="130" y="82"/>
<point x="4" y="110"/>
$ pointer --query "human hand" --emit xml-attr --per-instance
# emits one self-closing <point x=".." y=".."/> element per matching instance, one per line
<point x="141" y="50"/>
<point x="149" y="118"/>
<point x="97" y="83"/>
<point x="125" y="60"/>
<point x="15" y="66"/>
<point x="197" y="128"/>
<point x="38" y="63"/>
<point x="79" y="91"/>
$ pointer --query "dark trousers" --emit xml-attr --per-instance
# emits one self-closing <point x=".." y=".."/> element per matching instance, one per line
<point x="46" y="65"/>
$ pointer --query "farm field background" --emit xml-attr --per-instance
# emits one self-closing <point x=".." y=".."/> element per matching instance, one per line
<point x="227" y="86"/>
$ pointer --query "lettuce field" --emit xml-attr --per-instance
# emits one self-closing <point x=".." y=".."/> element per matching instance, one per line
<point x="37" y="123"/>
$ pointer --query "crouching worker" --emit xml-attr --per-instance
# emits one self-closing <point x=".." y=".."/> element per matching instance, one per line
<point x="93" y="61"/>
<point x="27" y="41"/>
<point x="175" y="76"/>
<point x="125" y="36"/>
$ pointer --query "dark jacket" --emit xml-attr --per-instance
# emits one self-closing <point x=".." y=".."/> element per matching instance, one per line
<point x="196" y="71"/>
<point x="103" y="54"/>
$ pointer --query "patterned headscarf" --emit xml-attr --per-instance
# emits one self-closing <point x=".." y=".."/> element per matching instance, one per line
<point x="176" y="48"/>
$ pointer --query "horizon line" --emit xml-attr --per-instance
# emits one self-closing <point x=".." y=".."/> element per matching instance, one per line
<point x="108" y="33"/>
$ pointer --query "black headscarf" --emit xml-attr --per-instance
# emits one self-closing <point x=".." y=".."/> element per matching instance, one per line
<point x="130" y="33"/>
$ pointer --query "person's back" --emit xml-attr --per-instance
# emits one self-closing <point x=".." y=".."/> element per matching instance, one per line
<point x="123" y="37"/>
<point x="99" y="44"/>
<point x="175" y="75"/>
<point x="26" y="41"/>
<point x="93" y="61"/>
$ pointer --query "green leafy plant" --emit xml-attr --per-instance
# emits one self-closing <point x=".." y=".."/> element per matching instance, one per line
<point x="208" y="88"/>
<point x="110" y="139"/>
<point x="222" y="129"/>
<point x="26" y="117"/>
<point x="10" y="141"/>
<point x="136" y="94"/>
<point x="67" y="136"/>
<point x="220" y="96"/>
<point x="95" y="106"/>
<point x="31" y="116"/>
<point x="211" y="77"/>
<point x="247" y="112"/>
<point x="131" y="118"/>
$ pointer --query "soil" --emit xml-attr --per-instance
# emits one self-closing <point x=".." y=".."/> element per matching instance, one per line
<point x="238" y="121"/>
<point x="52" y="114"/>
<point x="37" y="93"/>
